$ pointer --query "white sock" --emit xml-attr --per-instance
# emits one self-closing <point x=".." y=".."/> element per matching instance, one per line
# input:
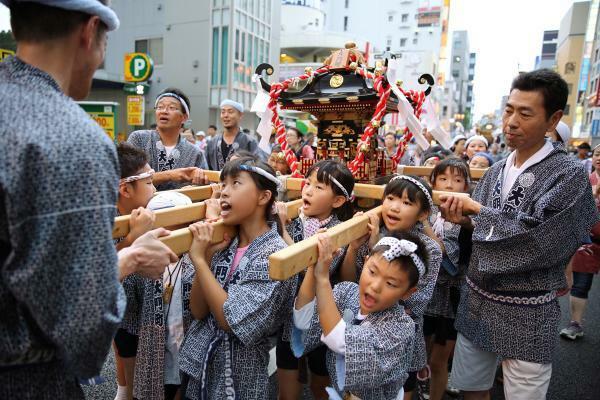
<point x="121" y="392"/>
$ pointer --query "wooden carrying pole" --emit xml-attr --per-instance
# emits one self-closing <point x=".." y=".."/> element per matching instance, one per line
<point x="366" y="191"/>
<point x="180" y="240"/>
<point x="476" y="173"/>
<point x="295" y="258"/>
<point x="176" y="215"/>
<point x="166" y="217"/>
<point x="199" y="193"/>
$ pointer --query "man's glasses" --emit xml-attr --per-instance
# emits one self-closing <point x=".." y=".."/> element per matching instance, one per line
<point x="167" y="108"/>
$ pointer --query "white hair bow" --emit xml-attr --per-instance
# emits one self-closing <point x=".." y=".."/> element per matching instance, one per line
<point x="401" y="247"/>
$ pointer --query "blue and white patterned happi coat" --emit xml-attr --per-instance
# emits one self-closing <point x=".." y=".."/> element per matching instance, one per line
<point x="417" y="303"/>
<point x="60" y="296"/>
<point x="378" y="350"/>
<point x="183" y="155"/>
<point x="520" y="248"/>
<point x="255" y="309"/>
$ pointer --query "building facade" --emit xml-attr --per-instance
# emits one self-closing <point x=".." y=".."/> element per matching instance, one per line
<point x="547" y="58"/>
<point x="462" y="70"/>
<point x="569" y="55"/>
<point x="307" y="39"/>
<point x="209" y="49"/>
<point x="590" y="119"/>
<point x="470" y="100"/>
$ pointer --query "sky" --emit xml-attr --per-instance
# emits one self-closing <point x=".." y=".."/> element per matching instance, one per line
<point x="505" y="34"/>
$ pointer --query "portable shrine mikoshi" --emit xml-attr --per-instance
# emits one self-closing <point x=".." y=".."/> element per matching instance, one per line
<point x="349" y="101"/>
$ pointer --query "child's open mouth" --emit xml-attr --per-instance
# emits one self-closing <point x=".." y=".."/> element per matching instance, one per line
<point x="392" y="220"/>
<point x="306" y="203"/>
<point x="225" y="209"/>
<point x="369" y="301"/>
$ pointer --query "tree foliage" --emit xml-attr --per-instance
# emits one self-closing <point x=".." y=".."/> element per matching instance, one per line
<point x="7" y="41"/>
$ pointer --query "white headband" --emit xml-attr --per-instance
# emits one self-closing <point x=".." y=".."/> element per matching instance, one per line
<point x="477" y="137"/>
<point x="134" y="178"/>
<point x="458" y="138"/>
<point x="261" y="172"/>
<point x="173" y="95"/>
<point x="419" y="185"/>
<point x="234" y="104"/>
<point x="401" y="247"/>
<point x="337" y="183"/>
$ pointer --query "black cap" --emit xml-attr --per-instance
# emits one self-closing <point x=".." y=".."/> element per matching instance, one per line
<point x="584" y="145"/>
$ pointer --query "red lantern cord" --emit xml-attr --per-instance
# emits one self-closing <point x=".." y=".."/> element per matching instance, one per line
<point x="383" y="91"/>
<point x="278" y="127"/>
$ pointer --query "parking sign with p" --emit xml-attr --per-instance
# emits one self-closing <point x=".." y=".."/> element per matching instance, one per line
<point x="137" y="67"/>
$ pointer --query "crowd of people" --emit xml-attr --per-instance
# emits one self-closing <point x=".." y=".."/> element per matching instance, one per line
<point x="468" y="283"/>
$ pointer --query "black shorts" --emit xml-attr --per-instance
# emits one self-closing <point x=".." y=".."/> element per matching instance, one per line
<point x="442" y="328"/>
<point x="286" y="359"/>
<point x="126" y="343"/>
<point x="411" y="382"/>
<point x="171" y="391"/>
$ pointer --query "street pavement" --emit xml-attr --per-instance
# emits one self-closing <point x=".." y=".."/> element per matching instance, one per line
<point x="575" y="375"/>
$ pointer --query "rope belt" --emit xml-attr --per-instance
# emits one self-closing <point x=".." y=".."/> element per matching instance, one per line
<point x="523" y="301"/>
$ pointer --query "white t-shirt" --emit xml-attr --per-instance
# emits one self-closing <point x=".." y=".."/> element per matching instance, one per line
<point x="174" y="325"/>
<point x="511" y="173"/>
<point x="335" y="340"/>
<point x="169" y="149"/>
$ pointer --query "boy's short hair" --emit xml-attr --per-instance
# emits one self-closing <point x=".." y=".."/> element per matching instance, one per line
<point x="550" y="84"/>
<point x="131" y="159"/>
<point x="34" y="22"/>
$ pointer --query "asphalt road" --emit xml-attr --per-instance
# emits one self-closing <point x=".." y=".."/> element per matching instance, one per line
<point x="575" y="376"/>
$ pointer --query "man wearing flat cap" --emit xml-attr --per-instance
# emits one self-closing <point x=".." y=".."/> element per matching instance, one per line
<point x="60" y="295"/>
<point x="220" y="148"/>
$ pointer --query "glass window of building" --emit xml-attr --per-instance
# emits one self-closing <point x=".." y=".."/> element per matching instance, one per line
<point x="153" y="47"/>
<point x="215" y="57"/>
<point x="224" y="54"/>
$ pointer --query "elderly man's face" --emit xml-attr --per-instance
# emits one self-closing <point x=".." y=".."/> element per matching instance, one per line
<point x="230" y="117"/>
<point x="524" y="120"/>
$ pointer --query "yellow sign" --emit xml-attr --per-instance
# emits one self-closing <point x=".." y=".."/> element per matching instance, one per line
<point x="5" y="53"/>
<point x="137" y="67"/>
<point x="106" y="122"/>
<point x="135" y="110"/>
